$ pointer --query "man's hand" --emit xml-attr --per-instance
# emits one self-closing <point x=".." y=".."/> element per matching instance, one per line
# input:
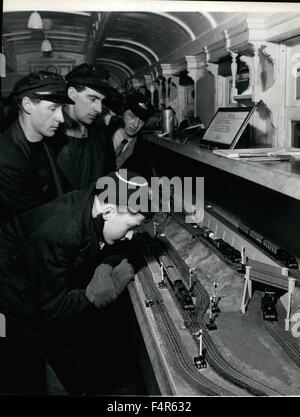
<point x="122" y="274"/>
<point x="101" y="290"/>
<point x="108" y="282"/>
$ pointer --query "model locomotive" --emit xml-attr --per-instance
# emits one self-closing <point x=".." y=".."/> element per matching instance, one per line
<point x="228" y="251"/>
<point x="180" y="290"/>
<point x="183" y="295"/>
<point x="268" y="305"/>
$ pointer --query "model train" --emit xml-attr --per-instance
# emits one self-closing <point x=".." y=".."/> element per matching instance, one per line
<point x="232" y="254"/>
<point x="183" y="295"/>
<point x="229" y="252"/>
<point x="282" y="255"/>
<point x="268" y="305"/>
<point x="181" y="292"/>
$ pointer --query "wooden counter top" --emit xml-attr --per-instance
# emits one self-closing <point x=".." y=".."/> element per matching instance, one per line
<point x="282" y="177"/>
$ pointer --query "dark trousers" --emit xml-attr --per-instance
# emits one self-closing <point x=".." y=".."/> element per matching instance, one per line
<point x="79" y="360"/>
<point x="22" y="365"/>
<point x="90" y="356"/>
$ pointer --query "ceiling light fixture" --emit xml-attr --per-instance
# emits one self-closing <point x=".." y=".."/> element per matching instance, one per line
<point x="46" y="45"/>
<point x="35" y="21"/>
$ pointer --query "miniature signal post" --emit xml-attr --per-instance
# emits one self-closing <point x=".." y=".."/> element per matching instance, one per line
<point x="191" y="279"/>
<point x="211" y="324"/>
<point x="162" y="283"/>
<point x="215" y="307"/>
<point x="157" y="229"/>
<point x="155" y="224"/>
<point x="199" y="360"/>
<point x="242" y="268"/>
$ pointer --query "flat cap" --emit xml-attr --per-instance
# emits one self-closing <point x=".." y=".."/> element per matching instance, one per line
<point x="89" y="76"/>
<point x="126" y="189"/>
<point x="139" y="105"/>
<point x="114" y="101"/>
<point x="43" y="85"/>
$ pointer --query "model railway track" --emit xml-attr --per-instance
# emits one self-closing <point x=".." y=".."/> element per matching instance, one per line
<point x="281" y="338"/>
<point x="214" y="356"/>
<point x="187" y="368"/>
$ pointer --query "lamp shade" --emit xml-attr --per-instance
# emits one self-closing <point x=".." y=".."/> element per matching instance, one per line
<point x="46" y="46"/>
<point x="35" y="21"/>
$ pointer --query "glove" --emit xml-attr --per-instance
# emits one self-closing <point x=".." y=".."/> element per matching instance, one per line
<point x="122" y="274"/>
<point x="113" y="259"/>
<point x="101" y="290"/>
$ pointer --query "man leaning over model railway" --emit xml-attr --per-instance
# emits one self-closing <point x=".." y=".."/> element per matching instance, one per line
<point x="56" y="283"/>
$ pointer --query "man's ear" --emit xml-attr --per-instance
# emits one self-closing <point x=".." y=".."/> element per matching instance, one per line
<point x="124" y="116"/>
<point x="109" y="211"/>
<point x="27" y="104"/>
<point x="72" y="93"/>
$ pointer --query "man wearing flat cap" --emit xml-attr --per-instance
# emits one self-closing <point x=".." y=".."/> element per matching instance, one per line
<point x="138" y="109"/>
<point x="56" y="288"/>
<point x="29" y="175"/>
<point x="85" y="152"/>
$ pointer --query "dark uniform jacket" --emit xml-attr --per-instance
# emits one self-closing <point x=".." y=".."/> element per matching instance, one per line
<point x="29" y="175"/>
<point x="140" y="161"/>
<point x="47" y="257"/>
<point x="84" y="160"/>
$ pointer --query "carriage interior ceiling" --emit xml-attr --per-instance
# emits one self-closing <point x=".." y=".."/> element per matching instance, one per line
<point x="196" y="60"/>
<point x="193" y="57"/>
<point x="128" y="44"/>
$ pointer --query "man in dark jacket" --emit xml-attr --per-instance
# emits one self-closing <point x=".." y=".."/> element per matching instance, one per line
<point x="29" y="175"/>
<point x="138" y="109"/>
<point x="47" y="259"/>
<point x="85" y="151"/>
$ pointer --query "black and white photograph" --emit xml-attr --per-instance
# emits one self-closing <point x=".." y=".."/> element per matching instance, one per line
<point x="149" y="201"/>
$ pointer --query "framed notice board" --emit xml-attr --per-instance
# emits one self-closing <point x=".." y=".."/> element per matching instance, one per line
<point x="226" y="127"/>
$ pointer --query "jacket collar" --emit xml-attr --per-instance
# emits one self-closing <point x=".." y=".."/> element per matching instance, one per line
<point x="92" y="227"/>
<point x="68" y="122"/>
<point x="72" y="128"/>
<point x="16" y="134"/>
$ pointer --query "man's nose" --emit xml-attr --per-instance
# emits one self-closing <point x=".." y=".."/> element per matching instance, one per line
<point x="98" y="106"/>
<point x="59" y="115"/>
<point x="107" y="119"/>
<point x="135" y="123"/>
<point x="129" y="235"/>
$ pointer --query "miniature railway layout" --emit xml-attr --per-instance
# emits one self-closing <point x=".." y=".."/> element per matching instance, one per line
<point x="273" y="328"/>
<point x="185" y="365"/>
<point x="195" y="321"/>
<point x="214" y="356"/>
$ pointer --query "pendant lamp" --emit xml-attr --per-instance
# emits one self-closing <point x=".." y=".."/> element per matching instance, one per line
<point x="35" y="21"/>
